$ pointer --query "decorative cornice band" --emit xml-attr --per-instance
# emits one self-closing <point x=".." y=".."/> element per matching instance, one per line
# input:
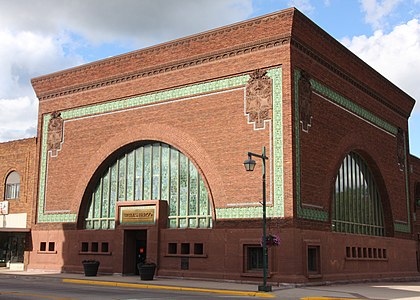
<point x="244" y="49"/>
<point x="339" y="72"/>
<point x="199" y="37"/>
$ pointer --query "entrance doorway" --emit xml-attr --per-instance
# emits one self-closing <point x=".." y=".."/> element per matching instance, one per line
<point x="135" y="250"/>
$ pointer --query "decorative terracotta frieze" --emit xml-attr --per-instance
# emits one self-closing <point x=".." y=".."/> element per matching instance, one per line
<point x="401" y="149"/>
<point x="55" y="133"/>
<point x="259" y="101"/>
<point x="305" y="101"/>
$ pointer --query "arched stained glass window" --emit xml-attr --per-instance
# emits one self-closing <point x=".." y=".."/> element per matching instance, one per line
<point x="357" y="204"/>
<point x="12" y="187"/>
<point x="154" y="171"/>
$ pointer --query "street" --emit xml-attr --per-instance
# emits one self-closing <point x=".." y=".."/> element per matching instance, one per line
<point x="24" y="288"/>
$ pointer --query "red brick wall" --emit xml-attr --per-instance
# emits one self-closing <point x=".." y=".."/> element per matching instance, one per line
<point x="19" y="156"/>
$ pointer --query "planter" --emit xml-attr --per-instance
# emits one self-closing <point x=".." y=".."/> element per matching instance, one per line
<point x="90" y="267"/>
<point x="146" y="271"/>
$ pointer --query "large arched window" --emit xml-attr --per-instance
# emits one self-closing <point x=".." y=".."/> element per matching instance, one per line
<point x="151" y="172"/>
<point x="357" y="204"/>
<point x="12" y="187"/>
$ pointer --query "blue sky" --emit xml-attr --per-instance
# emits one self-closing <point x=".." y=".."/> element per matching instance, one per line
<point x="43" y="36"/>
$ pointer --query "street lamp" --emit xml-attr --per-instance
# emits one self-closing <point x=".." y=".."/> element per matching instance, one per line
<point x="249" y="166"/>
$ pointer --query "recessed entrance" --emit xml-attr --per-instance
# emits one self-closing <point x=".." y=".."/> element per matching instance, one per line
<point x="135" y="250"/>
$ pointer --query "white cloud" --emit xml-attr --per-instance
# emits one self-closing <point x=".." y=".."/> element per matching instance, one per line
<point x="303" y="5"/>
<point x="144" y="22"/>
<point x="395" y="55"/>
<point x="18" y="118"/>
<point x="43" y="36"/>
<point x="377" y="11"/>
<point x="25" y="55"/>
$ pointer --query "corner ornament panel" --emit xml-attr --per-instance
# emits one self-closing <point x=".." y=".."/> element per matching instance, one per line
<point x="305" y="99"/>
<point x="259" y="98"/>
<point x="55" y="133"/>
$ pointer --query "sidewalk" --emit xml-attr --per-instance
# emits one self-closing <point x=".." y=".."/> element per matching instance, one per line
<point x="373" y="290"/>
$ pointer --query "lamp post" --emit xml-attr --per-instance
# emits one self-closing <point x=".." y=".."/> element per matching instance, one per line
<point x="249" y="166"/>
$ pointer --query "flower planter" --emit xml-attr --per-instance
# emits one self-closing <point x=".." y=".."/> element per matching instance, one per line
<point x="90" y="267"/>
<point x="146" y="271"/>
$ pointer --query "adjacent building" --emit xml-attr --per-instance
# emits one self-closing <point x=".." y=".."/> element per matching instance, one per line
<point x="141" y="155"/>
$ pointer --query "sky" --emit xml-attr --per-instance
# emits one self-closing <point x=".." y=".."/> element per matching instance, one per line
<point x="38" y="37"/>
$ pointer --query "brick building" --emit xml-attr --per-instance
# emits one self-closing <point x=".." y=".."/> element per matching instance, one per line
<point x="144" y="152"/>
<point x="17" y="172"/>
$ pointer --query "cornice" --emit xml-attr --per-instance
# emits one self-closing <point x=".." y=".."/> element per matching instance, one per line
<point x="200" y="37"/>
<point x="181" y="64"/>
<point x="315" y="55"/>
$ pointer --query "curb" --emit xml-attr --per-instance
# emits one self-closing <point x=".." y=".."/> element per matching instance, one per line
<point x="328" y="298"/>
<point x="171" y="288"/>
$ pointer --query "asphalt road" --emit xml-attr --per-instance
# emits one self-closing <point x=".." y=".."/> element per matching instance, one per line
<point x="21" y="288"/>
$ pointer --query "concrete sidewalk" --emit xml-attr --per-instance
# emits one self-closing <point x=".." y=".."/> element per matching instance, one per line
<point x="373" y="290"/>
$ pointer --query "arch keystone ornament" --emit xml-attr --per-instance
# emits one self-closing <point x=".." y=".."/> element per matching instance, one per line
<point x="259" y="98"/>
<point x="55" y="133"/>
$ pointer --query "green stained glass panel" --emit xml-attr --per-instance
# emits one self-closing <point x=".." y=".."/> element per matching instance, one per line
<point x="97" y="212"/>
<point x="122" y="177"/>
<point x="114" y="188"/>
<point x="130" y="176"/>
<point x="183" y="185"/>
<point x="105" y="195"/>
<point x="173" y="202"/>
<point x="147" y="172"/>
<point x="204" y="209"/>
<point x="165" y="173"/>
<point x="139" y="174"/>
<point x="193" y="190"/>
<point x="156" y="172"/>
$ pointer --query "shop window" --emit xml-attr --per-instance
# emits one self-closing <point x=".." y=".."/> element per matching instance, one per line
<point x="185" y="248"/>
<point x="198" y="249"/>
<point x="51" y="246"/>
<point x="172" y="248"/>
<point x="254" y="258"/>
<point x="105" y="247"/>
<point x="85" y="247"/>
<point x="12" y="186"/>
<point x="95" y="247"/>
<point x="43" y="246"/>
<point x="314" y="260"/>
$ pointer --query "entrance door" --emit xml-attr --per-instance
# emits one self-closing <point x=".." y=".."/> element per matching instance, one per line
<point x="135" y="250"/>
